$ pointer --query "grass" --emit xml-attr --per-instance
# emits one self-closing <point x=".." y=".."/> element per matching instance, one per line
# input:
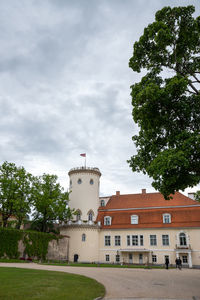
<point x="12" y="260"/>
<point x="56" y="263"/>
<point x="23" y="284"/>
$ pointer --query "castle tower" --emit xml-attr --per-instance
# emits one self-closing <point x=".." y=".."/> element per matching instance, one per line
<point x="84" y="196"/>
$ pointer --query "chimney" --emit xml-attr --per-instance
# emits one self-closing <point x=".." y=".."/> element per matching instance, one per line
<point x="143" y="191"/>
<point x="117" y="193"/>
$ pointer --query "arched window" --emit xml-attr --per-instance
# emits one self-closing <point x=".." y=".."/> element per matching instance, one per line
<point x="91" y="181"/>
<point x="102" y="203"/>
<point x="90" y="215"/>
<point x="83" y="237"/>
<point x="166" y="218"/>
<point x="79" y="181"/>
<point x="107" y="220"/>
<point x="182" y="239"/>
<point x="78" y="215"/>
<point x="134" y="219"/>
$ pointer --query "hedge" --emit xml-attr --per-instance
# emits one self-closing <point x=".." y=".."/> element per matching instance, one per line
<point x="36" y="243"/>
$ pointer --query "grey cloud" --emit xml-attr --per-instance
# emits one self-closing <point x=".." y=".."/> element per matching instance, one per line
<point x="65" y="85"/>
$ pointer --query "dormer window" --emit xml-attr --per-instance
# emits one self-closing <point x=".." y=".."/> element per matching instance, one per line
<point x="134" y="219"/>
<point x="166" y="218"/>
<point x="102" y="203"/>
<point x="107" y="220"/>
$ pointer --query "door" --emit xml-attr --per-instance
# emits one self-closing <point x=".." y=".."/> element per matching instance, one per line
<point x="130" y="258"/>
<point x="140" y="259"/>
<point x="75" y="257"/>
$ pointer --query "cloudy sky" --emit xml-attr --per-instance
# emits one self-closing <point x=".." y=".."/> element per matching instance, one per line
<point x="65" y="86"/>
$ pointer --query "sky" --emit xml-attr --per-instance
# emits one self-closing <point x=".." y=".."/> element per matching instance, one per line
<point x="65" y="86"/>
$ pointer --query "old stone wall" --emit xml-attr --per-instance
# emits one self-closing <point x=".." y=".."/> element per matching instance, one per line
<point x="57" y="249"/>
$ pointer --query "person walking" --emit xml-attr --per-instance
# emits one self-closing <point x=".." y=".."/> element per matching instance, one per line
<point x="177" y="262"/>
<point x="166" y="262"/>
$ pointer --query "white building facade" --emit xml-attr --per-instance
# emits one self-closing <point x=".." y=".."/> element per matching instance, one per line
<point x="130" y="229"/>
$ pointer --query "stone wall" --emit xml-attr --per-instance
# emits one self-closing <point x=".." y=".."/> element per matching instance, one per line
<point x="57" y="249"/>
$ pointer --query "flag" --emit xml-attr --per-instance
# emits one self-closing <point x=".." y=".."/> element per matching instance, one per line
<point x="83" y="154"/>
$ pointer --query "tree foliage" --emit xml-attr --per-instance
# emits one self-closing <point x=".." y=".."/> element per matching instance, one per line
<point x="166" y="102"/>
<point x="15" y="193"/>
<point x="50" y="202"/>
<point x="21" y="194"/>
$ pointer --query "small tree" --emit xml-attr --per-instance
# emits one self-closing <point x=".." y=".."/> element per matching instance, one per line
<point x="50" y="202"/>
<point x="166" y="102"/>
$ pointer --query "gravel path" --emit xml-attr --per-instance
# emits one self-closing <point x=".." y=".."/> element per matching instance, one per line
<point x="135" y="283"/>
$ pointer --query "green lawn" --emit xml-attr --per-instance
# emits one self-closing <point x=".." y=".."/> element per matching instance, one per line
<point x="23" y="284"/>
<point x="54" y="263"/>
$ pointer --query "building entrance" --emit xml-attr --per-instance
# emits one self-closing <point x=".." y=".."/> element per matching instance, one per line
<point x="130" y="258"/>
<point x="75" y="257"/>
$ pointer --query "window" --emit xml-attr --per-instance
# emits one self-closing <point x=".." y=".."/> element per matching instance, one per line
<point x="153" y="240"/>
<point x="78" y="215"/>
<point x="141" y="240"/>
<point x="185" y="259"/>
<point x="135" y="240"/>
<point x="83" y="237"/>
<point x="134" y="219"/>
<point x="117" y="240"/>
<point x="182" y="239"/>
<point x="91" y="181"/>
<point x="166" y="218"/>
<point x="117" y="258"/>
<point x="128" y="240"/>
<point x="70" y="183"/>
<point x="107" y="240"/>
<point x="165" y="240"/>
<point x="107" y="221"/>
<point x="90" y="216"/>
<point x="154" y="258"/>
<point x="107" y="257"/>
<point x="79" y="181"/>
<point x="102" y="203"/>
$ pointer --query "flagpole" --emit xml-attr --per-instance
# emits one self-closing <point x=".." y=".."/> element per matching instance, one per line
<point x="84" y="155"/>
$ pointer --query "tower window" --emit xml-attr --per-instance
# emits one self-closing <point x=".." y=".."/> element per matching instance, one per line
<point x="79" y="181"/>
<point x="83" y="237"/>
<point x="90" y="216"/>
<point x="91" y="181"/>
<point x="78" y="215"/>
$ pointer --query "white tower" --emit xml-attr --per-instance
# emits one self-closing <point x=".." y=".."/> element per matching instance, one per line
<point x="84" y="196"/>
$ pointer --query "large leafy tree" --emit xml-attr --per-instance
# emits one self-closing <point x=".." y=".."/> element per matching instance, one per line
<point x="15" y="193"/>
<point x="50" y="202"/>
<point x="166" y="102"/>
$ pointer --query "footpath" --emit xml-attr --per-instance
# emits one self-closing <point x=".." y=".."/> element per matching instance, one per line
<point x="142" y="284"/>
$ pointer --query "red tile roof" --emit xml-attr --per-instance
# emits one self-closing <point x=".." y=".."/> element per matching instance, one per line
<point x="150" y="208"/>
<point x="147" y="200"/>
